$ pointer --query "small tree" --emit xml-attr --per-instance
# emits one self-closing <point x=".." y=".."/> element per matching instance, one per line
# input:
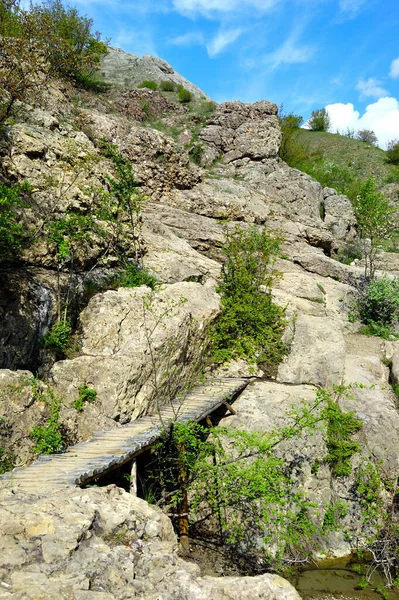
<point x="250" y="324"/>
<point x="393" y="151"/>
<point x="374" y="220"/>
<point x="368" y="136"/>
<point x="320" y="120"/>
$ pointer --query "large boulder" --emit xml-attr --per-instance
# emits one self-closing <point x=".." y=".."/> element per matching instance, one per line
<point x="106" y="544"/>
<point x="136" y="347"/>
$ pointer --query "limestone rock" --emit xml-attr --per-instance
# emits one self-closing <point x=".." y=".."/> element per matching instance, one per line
<point x="317" y="353"/>
<point x="129" y="70"/>
<point x="106" y="544"/>
<point x="124" y="334"/>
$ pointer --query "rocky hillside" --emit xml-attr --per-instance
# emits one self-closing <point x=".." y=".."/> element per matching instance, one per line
<point x="128" y="70"/>
<point x="103" y="543"/>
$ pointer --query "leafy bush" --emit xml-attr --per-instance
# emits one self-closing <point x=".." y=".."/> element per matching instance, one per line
<point x="392" y="152"/>
<point x="86" y="394"/>
<point x="59" y="337"/>
<point x="50" y="438"/>
<point x="167" y="86"/>
<point x="250" y="324"/>
<point x="379" y="303"/>
<point x="132" y="276"/>
<point x="13" y="235"/>
<point x="349" y="253"/>
<point x="196" y="153"/>
<point x="320" y="120"/>
<point x="374" y="220"/>
<point x="294" y="152"/>
<point x="184" y="95"/>
<point x="7" y="461"/>
<point x="151" y="85"/>
<point x="367" y="135"/>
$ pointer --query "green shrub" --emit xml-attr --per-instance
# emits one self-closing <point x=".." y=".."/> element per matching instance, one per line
<point x="368" y="136"/>
<point x="13" y="235"/>
<point x="392" y="152"/>
<point x="250" y="324"/>
<point x="184" y="95"/>
<point x="340" y="447"/>
<point x="167" y="86"/>
<point x="196" y="153"/>
<point x="50" y="438"/>
<point x="132" y="276"/>
<point x="319" y="120"/>
<point x="379" y="303"/>
<point x="349" y="253"/>
<point x="151" y="85"/>
<point x="374" y="217"/>
<point x="59" y="337"/>
<point x="7" y="461"/>
<point x="86" y="394"/>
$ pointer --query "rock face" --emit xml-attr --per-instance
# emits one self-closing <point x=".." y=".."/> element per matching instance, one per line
<point x="106" y="544"/>
<point x="128" y="70"/>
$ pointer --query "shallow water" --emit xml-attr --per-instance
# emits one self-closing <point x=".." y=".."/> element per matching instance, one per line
<point x="336" y="584"/>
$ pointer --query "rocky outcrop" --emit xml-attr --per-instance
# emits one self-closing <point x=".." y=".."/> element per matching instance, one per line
<point x="128" y="70"/>
<point x="106" y="544"/>
<point x="131" y="340"/>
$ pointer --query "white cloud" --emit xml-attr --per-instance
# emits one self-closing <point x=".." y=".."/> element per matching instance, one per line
<point x="194" y="38"/>
<point x="394" y="72"/>
<point x="207" y="7"/>
<point x="289" y="53"/>
<point x="382" y="117"/>
<point x="351" y="7"/>
<point x="371" y="88"/>
<point x="223" y="38"/>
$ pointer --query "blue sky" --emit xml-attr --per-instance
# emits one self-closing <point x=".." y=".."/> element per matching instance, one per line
<point x="306" y="54"/>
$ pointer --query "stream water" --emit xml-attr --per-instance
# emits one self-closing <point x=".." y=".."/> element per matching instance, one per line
<point x="337" y="583"/>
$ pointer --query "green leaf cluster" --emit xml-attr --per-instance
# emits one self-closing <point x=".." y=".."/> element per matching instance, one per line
<point x="13" y="234"/>
<point x="184" y="95"/>
<point x="65" y="233"/>
<point x="340" y="446"/>
<point x="133" y="276"/>
<point x="250" y="324"/>
<point x="86" y="394"/>
<point x="7" y="461"/>
<point x="50" y="438"/>
<point x="59" y="337"/>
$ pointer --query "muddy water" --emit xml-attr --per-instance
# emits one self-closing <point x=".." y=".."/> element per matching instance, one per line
<point x="336" y="584"/>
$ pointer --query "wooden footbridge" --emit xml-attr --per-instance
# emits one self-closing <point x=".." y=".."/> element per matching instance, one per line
<point x="108" y="450"/>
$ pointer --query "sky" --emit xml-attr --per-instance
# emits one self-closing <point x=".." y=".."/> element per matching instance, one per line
<point x="304" y="54"/>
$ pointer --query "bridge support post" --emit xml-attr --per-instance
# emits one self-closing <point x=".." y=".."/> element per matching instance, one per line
<point x="183" y="516"/>
<point x="133" y="478"/>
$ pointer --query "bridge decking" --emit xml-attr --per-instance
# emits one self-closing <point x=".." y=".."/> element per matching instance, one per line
<point x="107" y="450"/>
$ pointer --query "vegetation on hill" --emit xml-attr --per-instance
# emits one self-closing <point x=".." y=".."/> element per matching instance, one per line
<point x="48" y="39"/>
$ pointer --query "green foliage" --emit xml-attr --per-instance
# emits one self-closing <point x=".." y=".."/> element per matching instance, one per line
<point x="340" y="428"/>
<point x="368" y="136"/>
<point x="167" y="86"/>
<point x="349" y="253"/>
<point x="13" y="234"/>
<point x="67" y="232"/>
<point x="240" y="488"/>
<point x="250" y="324"/>
<point x="292" y="151"/>
<point x="196" y="153"/>
<point x="50" y="438"/>
<point x="335" y="512"/>
<point x="7" y="461"/>
<point x="374" y="220"/>
<point x="378" y="330"/>
<point x="151" y="85"/>
<point x="319" y="120"/>
<point x="59" y="337"/>
<point x="184" y="95"/>
<point x="379" y="302"/>
<point x="86" y="394"/>
<point x="133" y="276"/>
<point x="392" y="152"/>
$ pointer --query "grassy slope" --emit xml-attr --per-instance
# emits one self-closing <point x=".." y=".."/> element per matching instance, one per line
<point x="363" y="159"/>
